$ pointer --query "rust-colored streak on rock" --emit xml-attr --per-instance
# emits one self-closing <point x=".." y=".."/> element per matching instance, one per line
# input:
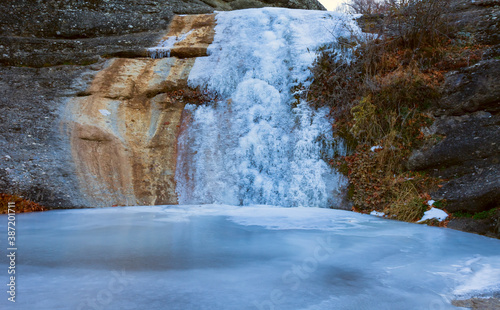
<point x="101" y="155"/>
<point x="186" y="119"/>
<point x="124" y="133"/>
<point x="201" y="34"/>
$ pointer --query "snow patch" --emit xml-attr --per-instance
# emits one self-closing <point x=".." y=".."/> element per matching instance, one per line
<point x="380" y="214"/>
<point x="434" y="213"/>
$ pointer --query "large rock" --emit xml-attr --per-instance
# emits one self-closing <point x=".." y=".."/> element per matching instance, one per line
<point x="477" y="19"/>
<point x="123" y="128"/>
<point x="44" y="33"/>
<point x="472" y="89"/>
<point x="464" y="142"/>
<point x="35" y="157"/>
<point x="101" y="135"/>
<point x="467" y="139"/>
<point x="472" y="193"/>
<point x="489" y="226"/>
<point x="469" y="156"/>
<point x="490" y="303"/>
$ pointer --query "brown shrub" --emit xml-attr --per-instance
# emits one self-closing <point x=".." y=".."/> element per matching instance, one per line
<point x="382" y="96"/>
<point x="416" y="24"/>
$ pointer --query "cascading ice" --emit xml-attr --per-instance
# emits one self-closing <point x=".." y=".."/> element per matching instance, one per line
<point x="165" y="46"/>
<point x="259" y="144"/>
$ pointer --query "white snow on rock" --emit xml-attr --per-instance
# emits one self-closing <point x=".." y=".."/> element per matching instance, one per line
<point x="434" y="213"/>
<point x="377" y="213"/>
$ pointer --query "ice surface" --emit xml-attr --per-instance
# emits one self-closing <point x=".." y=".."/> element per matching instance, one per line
<point x="165" y="46"/>
<point x="105" y="112"/>
<point x="259" y="257"/>
<point x="259" y="144"/>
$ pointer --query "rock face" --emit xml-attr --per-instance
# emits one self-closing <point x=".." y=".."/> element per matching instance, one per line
<point x="491" y="303"/>
<point x="468" y="154"/>
<point x="35" y="158"/>
<point x="124" y="127"/>
<point x="45" y="33"/>
<point x="472" y="89"/>
<point x="87" y="118"/>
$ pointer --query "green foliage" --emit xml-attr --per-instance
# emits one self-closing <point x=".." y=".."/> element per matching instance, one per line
<point x="440" y="204"/>
<point x="461" y="214"/>
<point x="484" y="214"/>
<point x="477" y="216"/>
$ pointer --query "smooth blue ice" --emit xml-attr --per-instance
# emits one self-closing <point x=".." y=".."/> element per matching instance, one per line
<point x="223" y="257"/>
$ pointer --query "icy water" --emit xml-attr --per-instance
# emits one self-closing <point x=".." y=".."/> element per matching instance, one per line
<point x="224" y="257"/>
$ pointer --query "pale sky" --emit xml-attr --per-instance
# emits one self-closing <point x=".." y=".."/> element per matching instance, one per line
<point x="330" y="5"/>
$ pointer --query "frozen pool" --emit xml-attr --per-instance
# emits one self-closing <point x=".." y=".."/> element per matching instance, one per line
<point x="224" y="257"/>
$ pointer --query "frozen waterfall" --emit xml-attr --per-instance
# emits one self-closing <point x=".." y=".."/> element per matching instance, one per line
<point x="259" y="144"/>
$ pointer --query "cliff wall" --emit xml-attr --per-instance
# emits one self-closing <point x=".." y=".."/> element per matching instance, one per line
<point x="87" y="118"/>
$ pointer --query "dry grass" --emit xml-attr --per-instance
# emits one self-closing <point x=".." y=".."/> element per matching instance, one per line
<point x="383" y="98"/>
<point x="407" y="205"/>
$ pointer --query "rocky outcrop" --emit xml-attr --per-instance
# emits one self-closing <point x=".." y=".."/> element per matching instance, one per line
<point x="123" y="128"/>
<point x="490" y="303"/>
<point x="61" y="62"/>
<point x="467" y="154"/>
<point x="46" y="33"/>
<point x="478" y="19"/>
<point x="35" y="158"/>
<point x="472" y="89"/>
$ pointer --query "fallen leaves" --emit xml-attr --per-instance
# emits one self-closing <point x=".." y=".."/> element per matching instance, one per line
<point x="22" y="205"/>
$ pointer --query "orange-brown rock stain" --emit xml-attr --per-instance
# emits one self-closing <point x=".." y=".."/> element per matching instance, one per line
<point x="124" y="129"/>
